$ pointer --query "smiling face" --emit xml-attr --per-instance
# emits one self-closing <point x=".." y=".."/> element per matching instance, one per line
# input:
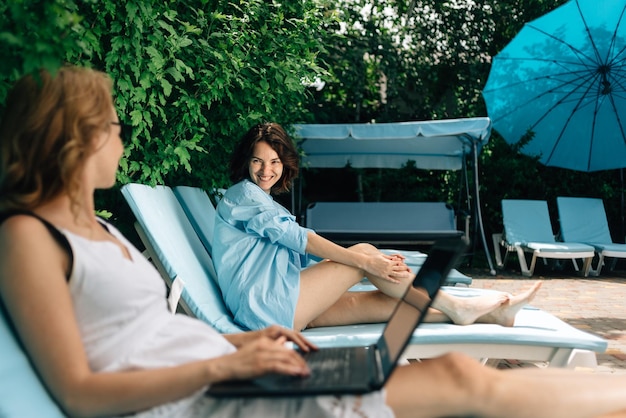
<point x="265" y="166"/>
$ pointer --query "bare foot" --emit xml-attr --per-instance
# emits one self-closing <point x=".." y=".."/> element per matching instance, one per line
<point x="505" y="314"/>
<point x="466" y="310"/>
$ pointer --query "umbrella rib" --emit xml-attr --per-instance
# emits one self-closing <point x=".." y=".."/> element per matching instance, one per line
<point x="619" y="120"/>
<point x="562" y="63"/>
<point x="541" y="77"/>
<point x="593" y="127"/>
<point x="593" y="44"/>
<point x="593" y="135"/>
<point x="581" y="81"/>
<point x="577" y="52"/>
<point x="614" y="39"/>
<point x="566" y="124"/>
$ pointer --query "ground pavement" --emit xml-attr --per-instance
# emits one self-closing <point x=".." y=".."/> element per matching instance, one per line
<point x="593" y="304"/>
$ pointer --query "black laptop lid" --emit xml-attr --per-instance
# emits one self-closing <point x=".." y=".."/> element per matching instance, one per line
<point x="412" y="309"/>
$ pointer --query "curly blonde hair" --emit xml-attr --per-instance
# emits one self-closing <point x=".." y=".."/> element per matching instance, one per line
<point x="46" y="132"/>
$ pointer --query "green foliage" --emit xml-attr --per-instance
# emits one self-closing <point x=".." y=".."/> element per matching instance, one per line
<point x="418" y="60"/>
<point x="431" y="59"/>
<point x="37" y="34"/>
<point x="192" y="76"/>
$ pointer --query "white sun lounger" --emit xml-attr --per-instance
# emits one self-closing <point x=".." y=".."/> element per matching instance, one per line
<point x="173" y="245"/>
<point x="528" y="230"/>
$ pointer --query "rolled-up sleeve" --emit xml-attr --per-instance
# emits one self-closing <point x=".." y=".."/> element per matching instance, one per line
<point x="280" y="229"/>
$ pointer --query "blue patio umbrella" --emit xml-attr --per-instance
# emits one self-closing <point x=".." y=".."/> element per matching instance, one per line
<point x="563" y="80"/>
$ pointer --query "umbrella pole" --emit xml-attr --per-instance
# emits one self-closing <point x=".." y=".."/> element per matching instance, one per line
<point x="621" y="210"/>
<point x="621" y="207"/>
<point x="479" y="215"/>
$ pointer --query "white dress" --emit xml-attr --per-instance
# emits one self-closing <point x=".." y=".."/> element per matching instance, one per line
<point x="125" y="324"/>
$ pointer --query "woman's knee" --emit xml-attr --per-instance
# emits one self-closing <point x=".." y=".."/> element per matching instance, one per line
<point x="459" y="368"/>
<point x="450" y="380"/>
<point x="364" y="247"/>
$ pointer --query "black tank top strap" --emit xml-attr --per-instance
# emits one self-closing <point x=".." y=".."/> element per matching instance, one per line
<point x="56" y="234"/>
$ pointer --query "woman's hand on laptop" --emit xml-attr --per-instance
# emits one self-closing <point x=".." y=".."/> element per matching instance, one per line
<point x="272" y="332"/>
<point x="259" y="357"/>
<point x="275" y="331"/>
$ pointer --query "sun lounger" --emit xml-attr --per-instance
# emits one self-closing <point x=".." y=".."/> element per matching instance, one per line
<point x="178" y="253"/>
<point x="21" y="392"/>
<point x="584" y="220"/>
<point x="528" y="230"/>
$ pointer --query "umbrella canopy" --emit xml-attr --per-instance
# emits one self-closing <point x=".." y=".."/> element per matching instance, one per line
<point x="563" y="79"/>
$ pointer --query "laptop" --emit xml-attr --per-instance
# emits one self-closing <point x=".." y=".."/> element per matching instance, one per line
<point x="361" y="369"/>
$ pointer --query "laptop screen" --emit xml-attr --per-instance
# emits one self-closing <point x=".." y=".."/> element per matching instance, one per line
<point x="412" y="309"/>
<point x="404" y="322"/>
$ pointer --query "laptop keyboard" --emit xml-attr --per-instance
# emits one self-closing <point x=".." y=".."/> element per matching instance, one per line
<point x="333" y="366"/>
<point x="336" y="368"/>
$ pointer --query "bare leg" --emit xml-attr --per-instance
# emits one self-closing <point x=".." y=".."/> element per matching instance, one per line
<point x="464" y="311"/>
<point x="456" y="385"/>
<point x="461" y="310"/>
<point x="498" y="308"/>
<point x="324" y="300"/>
<point x="505" y="313"/>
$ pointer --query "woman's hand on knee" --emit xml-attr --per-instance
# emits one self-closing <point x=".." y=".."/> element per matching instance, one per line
<point x="391" y="268"/>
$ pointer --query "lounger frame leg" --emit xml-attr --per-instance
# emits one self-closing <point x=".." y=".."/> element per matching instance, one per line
<point x="602" y="257"/>
<point x="521" y="255"/>
<point x="528" y="271"/>
<point x="497" y="244"/>
<point x="599" y="265"/>
<point x="586" y="266"/>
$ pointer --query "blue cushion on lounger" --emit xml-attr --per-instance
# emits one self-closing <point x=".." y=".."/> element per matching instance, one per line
<point x="179" y="252"/>
<point x="21" y="392"/>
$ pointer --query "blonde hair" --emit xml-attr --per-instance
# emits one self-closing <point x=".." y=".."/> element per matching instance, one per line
<point x="46" y="133"/>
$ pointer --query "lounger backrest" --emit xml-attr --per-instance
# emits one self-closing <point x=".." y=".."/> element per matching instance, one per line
<point x="195" y="200"/>
<point x="177" y="246"/>
<point x="526" y="221"/>
<point x="22" y="394"/>
<point x="583" y="219"/>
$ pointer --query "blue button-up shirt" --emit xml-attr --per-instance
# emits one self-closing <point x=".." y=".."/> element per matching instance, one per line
<point x="258" y="250"/>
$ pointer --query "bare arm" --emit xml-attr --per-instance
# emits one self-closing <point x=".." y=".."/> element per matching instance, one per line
<point x="376" y="263"/>
<point x="36" y="294"/>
